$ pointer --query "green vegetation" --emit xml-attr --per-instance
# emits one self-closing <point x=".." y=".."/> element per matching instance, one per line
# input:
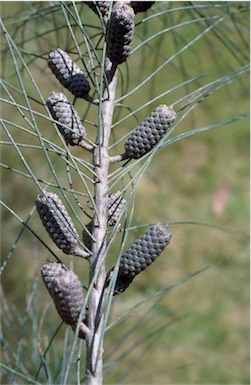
<point x="196" y="332"/>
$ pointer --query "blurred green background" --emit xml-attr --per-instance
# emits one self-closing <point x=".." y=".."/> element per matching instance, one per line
<point x="198" y="332"/>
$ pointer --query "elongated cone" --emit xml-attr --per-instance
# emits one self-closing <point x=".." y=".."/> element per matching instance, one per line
<point x="140" y="254"/>
<point x="68" y="73"/>
<point x="116" y="203"/>
<point x="99" y="6"/>
<point x="58" y="224"/>
<point x="62" y="110"/>
<point x="141" y="6"/>
<point x="66" y="291"/>
<point x="120" y="33"/>
<point x="50" y="271"/>
<point x="149" y="132"/>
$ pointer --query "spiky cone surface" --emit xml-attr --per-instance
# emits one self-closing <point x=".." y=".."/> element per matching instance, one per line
<point x="140" y="255"/>
<point x="141" y="6"/>
<point x="120" y="33"/>
<point x="68" y="73"/>
<point x="149" y="132"/>
<point x="58" y="223"/>
<point x="116" y="203"/>
<point x="99" y="6"/>
<point x="49" y="272"/>
<point x="63" y="112"/>
<point x="66" y="291"/>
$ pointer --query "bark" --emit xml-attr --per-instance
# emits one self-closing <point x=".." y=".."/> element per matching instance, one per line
<point x="101" y="161"/>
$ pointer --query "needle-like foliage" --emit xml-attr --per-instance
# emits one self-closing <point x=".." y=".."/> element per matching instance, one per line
<point x="90" y="146"/>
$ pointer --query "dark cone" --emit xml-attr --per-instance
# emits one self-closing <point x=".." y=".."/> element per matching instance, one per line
<point x="62" y="110"/>
<point x="58" y="224"/>
<point x="120" y="33"/>
<point x="149" y="133"/>
<point x="50" y="271"/>
<point x="141" y="6"/>
<point x="86" y="237"/>
<point x="141" y="254"/>
<point x="66" y="291"/>
<point x="99" y="6"/>
<point x="68" y="73"/>
<point x="116" y="204"/>
<point x="68" y="297"/>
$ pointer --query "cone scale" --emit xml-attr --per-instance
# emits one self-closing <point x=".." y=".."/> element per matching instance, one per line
<point x="66" y="291"/>
<point x="149" y="132"/>
<point x="140" y="255"/>
<point x="120" y="33"/>
<point x="68" y="73"/>
<point x="58" y="224"/>
<point x="68" y="120"/>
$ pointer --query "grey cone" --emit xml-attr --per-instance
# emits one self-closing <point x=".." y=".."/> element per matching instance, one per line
<point x="149" y="132"/>
<point x="68" y="120"/>
<point x="99" y="6"/>
<point x="116" y="204"/>
<point x="58" y="224"/>
<point x="120" y="33"/>
<point x="68" y="73"/>
<point x="50" y="271"/>
<point x="140" y="254"/>
<point x="66" y="291"/>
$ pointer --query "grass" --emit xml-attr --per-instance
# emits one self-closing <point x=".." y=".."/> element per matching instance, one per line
<point x="196" y="333"/>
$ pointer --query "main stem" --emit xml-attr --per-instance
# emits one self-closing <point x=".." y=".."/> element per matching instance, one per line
<point x="101" y="161"/>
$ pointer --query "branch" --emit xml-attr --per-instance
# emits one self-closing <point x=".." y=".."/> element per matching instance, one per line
<point x="101" y="161"/>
